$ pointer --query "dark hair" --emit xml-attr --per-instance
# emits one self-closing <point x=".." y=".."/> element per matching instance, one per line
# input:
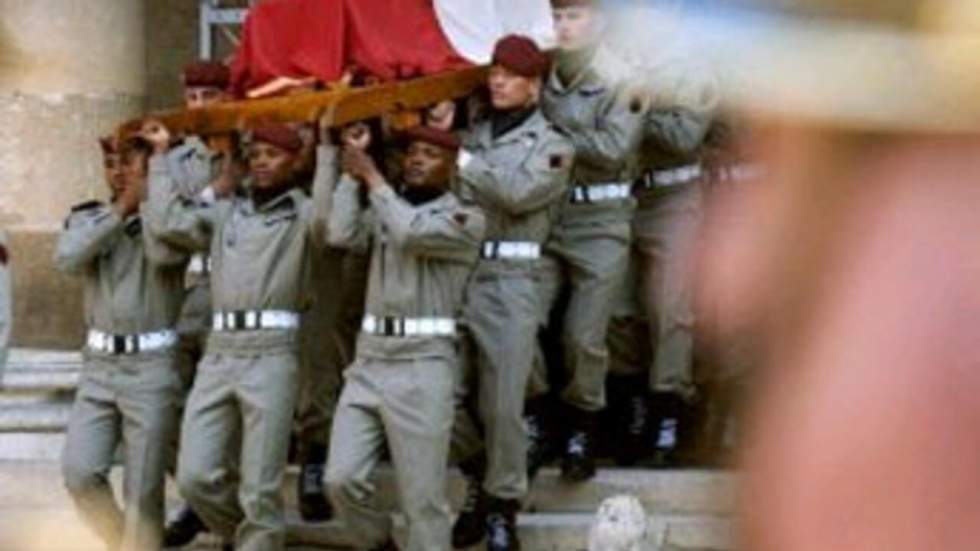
<point x="135" y="144"/>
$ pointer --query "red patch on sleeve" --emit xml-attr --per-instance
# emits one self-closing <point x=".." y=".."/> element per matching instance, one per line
<point x="460" y="218"/>
<point x="556" y="161"/>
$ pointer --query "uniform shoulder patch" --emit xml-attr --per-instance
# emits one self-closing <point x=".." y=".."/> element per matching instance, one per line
<point x="88" y="205"/>
<point x="556" y="162"/>
<point x="460" y="218"/>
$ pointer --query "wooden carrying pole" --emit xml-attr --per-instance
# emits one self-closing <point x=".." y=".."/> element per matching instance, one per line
<point x="350" y="104"/>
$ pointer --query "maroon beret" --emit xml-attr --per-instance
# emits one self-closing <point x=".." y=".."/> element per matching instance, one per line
<point x="434" y="136"/>
<point x="574" y="4"/>
<point x="521" y="55"/>
<point x="280" y="135"/>
<point x="207" y="73"/>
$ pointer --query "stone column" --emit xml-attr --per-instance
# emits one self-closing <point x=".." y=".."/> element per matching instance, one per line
<point x="70" y="70"/>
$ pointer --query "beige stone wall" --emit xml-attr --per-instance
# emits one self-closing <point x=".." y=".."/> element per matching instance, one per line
<point x="172" y="42"/>
<point x="70" y="70"/>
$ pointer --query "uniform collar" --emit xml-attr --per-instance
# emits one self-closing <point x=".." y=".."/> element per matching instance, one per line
<point x="288" y="199"/>
<point x="532" y="126"/>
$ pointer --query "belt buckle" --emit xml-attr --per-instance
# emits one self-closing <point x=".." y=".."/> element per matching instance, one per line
<point x="118" y="344"/>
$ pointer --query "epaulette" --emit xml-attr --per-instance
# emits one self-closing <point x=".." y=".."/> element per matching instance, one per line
<point x="89" y="205"/>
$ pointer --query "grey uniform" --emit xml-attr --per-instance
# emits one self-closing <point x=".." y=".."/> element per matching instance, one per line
<point x="124" y="391"/>
<point x="589" y="246"/>
<point x="666" y="230"/>
<point x="516" y="178"/>
<point x="400" y="387"/>
<point x="246" y="386"/>
<point x="6" y="303"/>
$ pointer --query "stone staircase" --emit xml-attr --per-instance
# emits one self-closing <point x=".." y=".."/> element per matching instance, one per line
<point x="36" y="393"/>
<point x="690" y="510"/>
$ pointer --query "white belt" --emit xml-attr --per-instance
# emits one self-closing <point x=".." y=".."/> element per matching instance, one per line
<point x="527" y="250"/>
<point x="600" y="192"/>
<point x="409" y="327"/>
<point x="130" y="344"/>
<point x="672" y="177"/>
<point x="200" y="264"/>
<point x="741" y="172"/>
<point x="249" y="320"/>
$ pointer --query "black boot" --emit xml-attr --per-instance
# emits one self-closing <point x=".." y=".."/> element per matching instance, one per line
<point x="470" y="526"/>
<point x="313" y="504"/>
<point x="631" y="419"/>
<point x="578" y="463"/>
<point x="502" y="525"/>
<point x="183" y="528"/>
<point x="541" y="449"/>
<point x="669" y="411"/>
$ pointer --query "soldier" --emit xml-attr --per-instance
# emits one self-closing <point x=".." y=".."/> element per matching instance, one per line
<point x="660" y="390"/>
<point x="203" y="173"/>
<point x="516" y="165"/>
<point x="584" y="96"/>
<point x="400" y="388"/>
<point x="245" y="390"/>
<point x="6" y="303"/>
<point x="130" y="390"/>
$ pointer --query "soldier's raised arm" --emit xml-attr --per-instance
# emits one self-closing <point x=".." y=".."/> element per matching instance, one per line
<point x="522" y="187"/>
<point x="172" y="216"/>
<point x="324" y="184"/>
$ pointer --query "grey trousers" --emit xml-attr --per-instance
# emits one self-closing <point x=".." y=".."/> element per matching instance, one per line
<point x="407" y="401"/>
<point x="132" y="401"/>
<point x="243" y="401"/>
<point x="589" y="251"/>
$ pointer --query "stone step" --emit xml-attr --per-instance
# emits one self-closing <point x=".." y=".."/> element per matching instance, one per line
<point x="33" y="358"/>
<point x="31" y="446"/>
<point x="34" y="417"/>
<point x="671" y="493"/>
<point x="58" y="529"/>
<point x="676" y="492"/>
<point x="36" y="488"/>
<point x="21" y="379"/>
<point x="563" y="532"/>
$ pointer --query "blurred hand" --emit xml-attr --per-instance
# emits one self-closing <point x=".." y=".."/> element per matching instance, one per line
<point x="157" y="134"/>
<point x="361" y="166"/>
<point x="128" y="201"/>
<point x="441" y="115"/>
<point x="356" y="136"/>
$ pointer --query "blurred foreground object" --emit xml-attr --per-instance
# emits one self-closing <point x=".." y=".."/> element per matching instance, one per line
<point x="620" y="525"/>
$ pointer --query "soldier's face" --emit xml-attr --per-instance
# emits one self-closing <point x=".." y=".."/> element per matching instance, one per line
<point x="113" y="168"/>
<point x="426" y="164"/>
<point x="510" y="91"/>
<point x="270" y="166"/>
<point x="133" y="170"/>
<point x="576" y="27"/>
<point x="196" y="97"/>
